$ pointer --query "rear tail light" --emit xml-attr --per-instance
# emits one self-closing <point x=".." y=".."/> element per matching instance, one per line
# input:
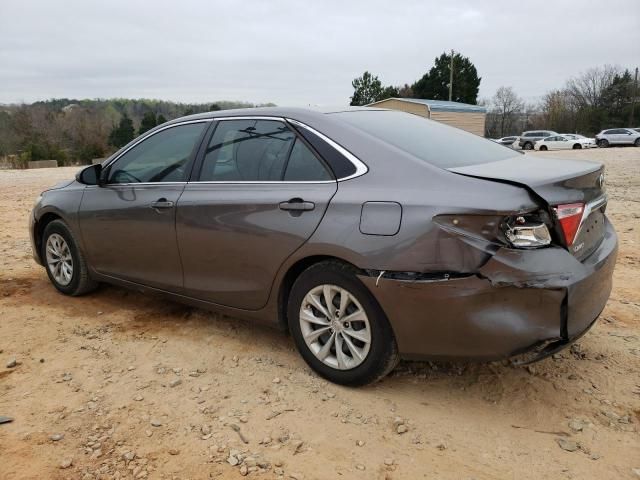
<point x="526" y="233"/>
<point x="570" y="216"/>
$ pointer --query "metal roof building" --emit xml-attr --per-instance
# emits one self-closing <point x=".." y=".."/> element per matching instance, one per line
<point x="460" y="115"/>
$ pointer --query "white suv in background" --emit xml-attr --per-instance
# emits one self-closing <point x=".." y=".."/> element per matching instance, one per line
<point x="618" y="136"/>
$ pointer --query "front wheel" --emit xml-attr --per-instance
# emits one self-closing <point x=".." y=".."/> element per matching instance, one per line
<point x="527" y="146"/>
<point x="338" y="326"/>
<point x="577" y="146"/>
<point x="543" y="148"/>
<point x="603" y="143"/>
<point x="637" y="142"/>
<point x="64" y="262"/>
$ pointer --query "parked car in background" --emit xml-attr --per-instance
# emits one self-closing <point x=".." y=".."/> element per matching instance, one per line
<point x="289" y="217"/>
<point x="529" y="139"/>
<point x="506" y="141"/>
<point x="618" y="136"/>
<point x="565" y="142"/>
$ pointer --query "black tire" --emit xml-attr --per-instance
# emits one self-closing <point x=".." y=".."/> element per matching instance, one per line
<point x="603" y="143"/>
<point x="637" y="142"/>
<point x="383" y="351"/>
<point x="543" y="148"/>
<point x="81" y="282"/>
<point x="527" y="146"/>
<point x="577" y="146"/>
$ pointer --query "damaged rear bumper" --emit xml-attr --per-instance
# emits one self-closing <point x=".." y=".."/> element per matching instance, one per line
<point x="520" y="301"/>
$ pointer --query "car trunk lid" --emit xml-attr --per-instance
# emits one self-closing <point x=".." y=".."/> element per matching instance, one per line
<point x="556" y="182"/>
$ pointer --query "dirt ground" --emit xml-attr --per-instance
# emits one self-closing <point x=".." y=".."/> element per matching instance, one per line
<point x="120" y="385"/>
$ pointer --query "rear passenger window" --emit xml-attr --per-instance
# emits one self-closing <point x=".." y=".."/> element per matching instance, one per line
<point x="304" y="165"/>
<point x="247" y="150"/>
<point x="259" y="151"/>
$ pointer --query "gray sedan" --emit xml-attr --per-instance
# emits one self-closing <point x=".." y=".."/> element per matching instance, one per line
<point x="369" y="234"/>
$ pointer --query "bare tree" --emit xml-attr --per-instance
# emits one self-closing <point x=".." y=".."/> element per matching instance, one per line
<point x="588" y="89"/>
<point x="506" y="106"/>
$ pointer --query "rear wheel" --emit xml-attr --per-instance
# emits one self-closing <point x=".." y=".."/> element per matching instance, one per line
<point x="64" y="262"/>
<point x="603" y="143"/>
<point x="542" y="148"/>
<point x="528" y="146"/>
<point x="637" y="142"/>
<point x="338" y="327"/>
<point x="577" y="146"/>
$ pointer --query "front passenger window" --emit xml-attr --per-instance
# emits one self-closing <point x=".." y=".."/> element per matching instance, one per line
<point x="162" y="157"/>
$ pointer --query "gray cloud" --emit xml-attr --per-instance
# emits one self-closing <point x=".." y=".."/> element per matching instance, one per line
<point x="295" y="52"/>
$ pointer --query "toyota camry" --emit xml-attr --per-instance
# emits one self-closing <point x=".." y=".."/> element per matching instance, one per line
<point x="370" y="235"/>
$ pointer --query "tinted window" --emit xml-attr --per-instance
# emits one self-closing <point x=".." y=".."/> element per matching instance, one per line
<point x="431" y="141"/>
<point x="247" y="150"/>
<point x="531" y="134"/>
<point x="162" y="157"/>
<point x="303" y="165"/>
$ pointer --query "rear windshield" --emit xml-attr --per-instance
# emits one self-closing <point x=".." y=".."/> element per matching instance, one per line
<point x="431" y="141"/>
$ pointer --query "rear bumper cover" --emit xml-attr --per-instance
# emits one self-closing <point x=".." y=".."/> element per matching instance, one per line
<point x="518" y="301"/>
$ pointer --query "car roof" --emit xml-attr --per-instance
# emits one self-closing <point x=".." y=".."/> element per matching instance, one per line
<point x="289" y="112"/>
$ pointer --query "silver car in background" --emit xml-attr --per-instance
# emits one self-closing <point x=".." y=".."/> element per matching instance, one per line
<point x="618" y="136"/>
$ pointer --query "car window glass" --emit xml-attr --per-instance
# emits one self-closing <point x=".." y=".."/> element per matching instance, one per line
<point x="162" y="157"/>
<point x="427" y="140"/>
<point x="303" y="165"/>
<point x="247" y="150"/>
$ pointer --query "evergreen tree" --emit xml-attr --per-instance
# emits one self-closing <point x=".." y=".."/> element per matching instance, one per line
<point x="123" y="133"/>
<point x="434" y="85"/>
<point x="160" y="119"/>
<point x="366" y="89"/>
<point x="147" y="123"/>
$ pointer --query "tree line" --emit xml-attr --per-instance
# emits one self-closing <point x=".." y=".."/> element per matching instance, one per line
<point x="77" y="131"/>
<point x="599" y="98"/>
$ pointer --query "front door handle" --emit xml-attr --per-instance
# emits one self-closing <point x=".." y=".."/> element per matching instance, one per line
<point x="297" y="205"/>
<point x="161" y="203"/>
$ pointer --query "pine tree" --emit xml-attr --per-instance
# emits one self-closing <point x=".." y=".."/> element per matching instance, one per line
<point x="147" y="123"/>
<point x="123" y="133"/>
<point x="434" y="85"/>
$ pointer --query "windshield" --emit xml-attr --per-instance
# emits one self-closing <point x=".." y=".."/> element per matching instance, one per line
<point x="428" y="140"/>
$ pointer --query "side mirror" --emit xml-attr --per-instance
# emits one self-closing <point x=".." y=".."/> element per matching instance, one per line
<point x="90" y="175"/>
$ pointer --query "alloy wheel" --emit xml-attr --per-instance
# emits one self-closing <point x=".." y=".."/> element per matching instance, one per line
<point x="59" y="259"/>
<point x="335" y="327"/>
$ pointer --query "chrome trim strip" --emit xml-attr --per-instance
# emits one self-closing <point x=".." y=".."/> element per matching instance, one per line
<point x="361" y="167"/>
<point x="250" y="117"/>
<point x="589" y="208"/>
<point x="151" y="135"/>
<point x="259" y="182"/>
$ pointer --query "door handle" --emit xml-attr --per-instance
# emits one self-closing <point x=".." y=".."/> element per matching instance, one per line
<point x="161" y="203"/>
<point x="297" y="205"/>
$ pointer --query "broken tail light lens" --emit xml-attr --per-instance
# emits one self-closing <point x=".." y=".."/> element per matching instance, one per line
<point x="526" y="233"/>
<point x="569" y="216"/>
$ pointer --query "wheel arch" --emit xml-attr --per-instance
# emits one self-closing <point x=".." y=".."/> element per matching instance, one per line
<point x="292" y="273"/>
<point x="40" y="225"/>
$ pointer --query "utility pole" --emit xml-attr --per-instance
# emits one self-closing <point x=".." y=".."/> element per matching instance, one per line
<point x="451" y="77"/>
<point x="633" y="99"/>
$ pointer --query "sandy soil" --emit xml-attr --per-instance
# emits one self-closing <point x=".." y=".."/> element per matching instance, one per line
<point x="119" y="385"/>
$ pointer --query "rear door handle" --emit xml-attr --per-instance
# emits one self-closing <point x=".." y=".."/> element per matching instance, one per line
<point x="161" y="203"/>
<point x="297" y="205"/>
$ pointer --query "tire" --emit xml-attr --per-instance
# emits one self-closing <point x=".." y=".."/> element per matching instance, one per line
<point x="542" y="148"/>
<point x="637" y="142"/>
<point x="603" y="143"/>
<point x="57" y="235"/>
<point x="527" y="146"/>
<point x="378" y="358"/>
<point x="577" y="146"/>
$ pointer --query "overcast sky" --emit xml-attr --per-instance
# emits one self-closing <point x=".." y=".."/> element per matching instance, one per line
<point x="298" y="52"/>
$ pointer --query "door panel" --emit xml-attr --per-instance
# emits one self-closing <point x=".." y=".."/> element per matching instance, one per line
<point x="233" y="238"/>
<point x="127" y="237"/>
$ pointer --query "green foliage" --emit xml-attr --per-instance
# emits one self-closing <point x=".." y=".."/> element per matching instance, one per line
<point x="160" y="119"/>
<point x="366" y="89"/>
<point x="214" y="107"/>
<point x="147" y="123"/>
<point x="434" y="85"/>
<point x="123" y="133"/>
